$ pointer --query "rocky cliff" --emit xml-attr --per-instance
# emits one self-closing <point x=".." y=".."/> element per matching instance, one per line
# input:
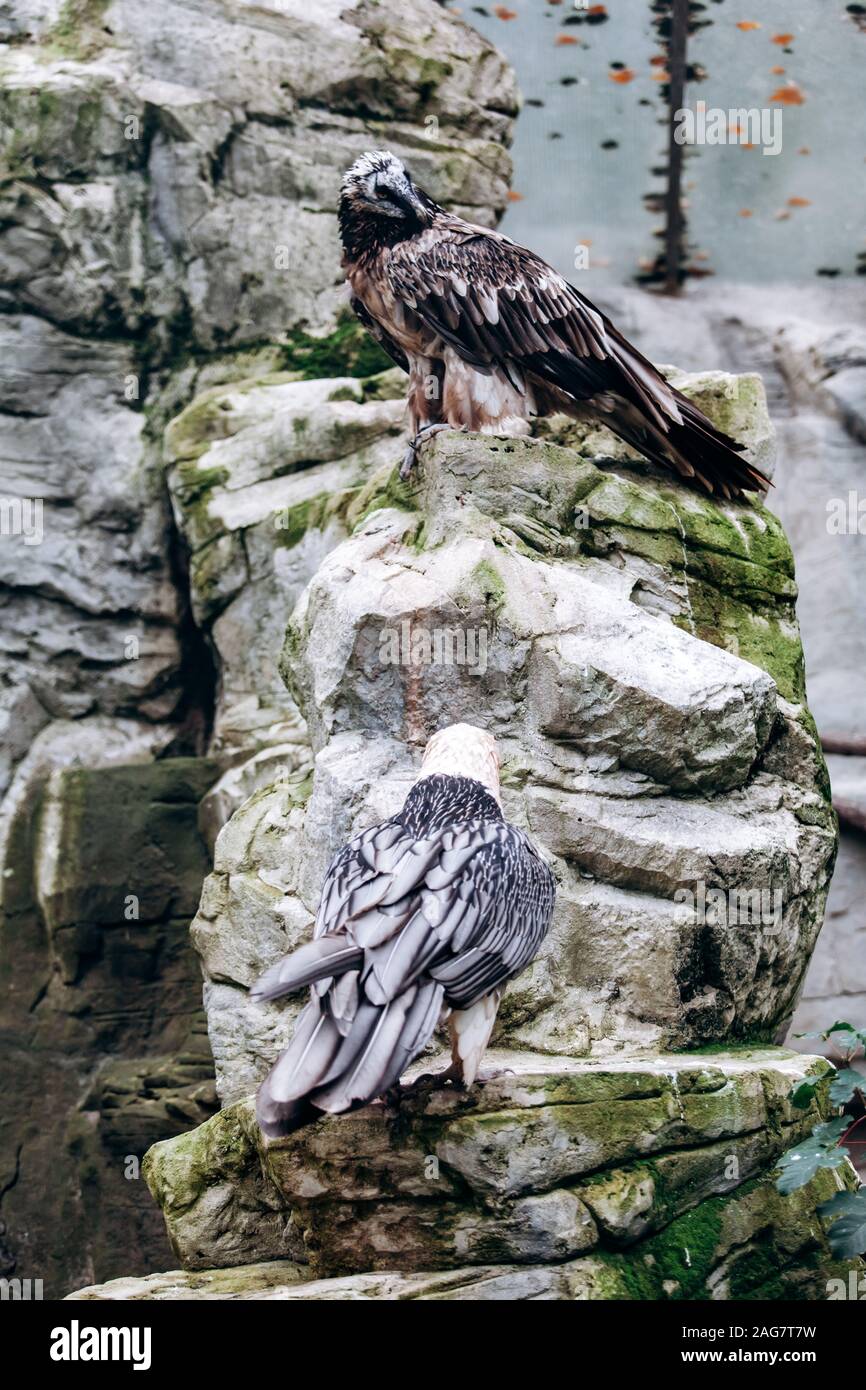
<point x="808" y="346"/>
<point x="212" y="444"/>
<point x="634" y="648"/>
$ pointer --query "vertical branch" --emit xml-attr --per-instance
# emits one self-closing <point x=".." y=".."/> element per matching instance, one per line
<point x="675" y="223"/>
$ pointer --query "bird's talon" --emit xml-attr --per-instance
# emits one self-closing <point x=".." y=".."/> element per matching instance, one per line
<point x="432" y="1081"/>
<point x="410" y="458"/>
<point x="421" y="1083"/>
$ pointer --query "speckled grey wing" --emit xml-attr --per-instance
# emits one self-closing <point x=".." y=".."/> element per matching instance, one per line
<point x="372" y="877"/>
<point x="348" y="1047"/>
<point x="515" y="892"/>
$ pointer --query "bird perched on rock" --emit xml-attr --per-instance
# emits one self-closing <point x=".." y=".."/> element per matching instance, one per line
<point x="491" y="336"/>
<point x="430" y="913"/>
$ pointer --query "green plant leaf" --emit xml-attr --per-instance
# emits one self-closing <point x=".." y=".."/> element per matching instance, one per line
<point x="800" y="1164"/>
<point x="845" y="1085"/>
<point x="841" y="1027"/>
<point x="802" y="1094"/>
<point x="847" y="1211"/>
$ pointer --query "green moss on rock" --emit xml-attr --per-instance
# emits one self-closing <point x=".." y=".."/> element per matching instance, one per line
<point x="734" y="561"/>
<point x="486" y="580"/>
<point x="291" y="524"/>
<point x="347" y="351"/>
<point x="383" y="489"/>
<point x="79" y="30"/>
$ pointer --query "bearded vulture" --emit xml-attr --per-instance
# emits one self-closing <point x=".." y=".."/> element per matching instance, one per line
<point x="491" y="336"/>
<point x="427" y="915"/>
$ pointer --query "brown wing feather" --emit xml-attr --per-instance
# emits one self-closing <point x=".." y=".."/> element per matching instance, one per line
<point x="493" y="300"/>
<point x="383" y="338"/>
<point x="496" y="304"/>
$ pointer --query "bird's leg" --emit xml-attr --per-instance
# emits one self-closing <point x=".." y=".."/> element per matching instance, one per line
<point x="410" y="458"/>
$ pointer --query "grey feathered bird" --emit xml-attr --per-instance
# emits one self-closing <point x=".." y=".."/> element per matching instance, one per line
<point x="491" y="336"/>
<point x="429" y="914"/>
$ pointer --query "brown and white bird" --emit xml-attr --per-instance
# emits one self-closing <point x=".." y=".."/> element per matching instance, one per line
<point x="491" y="336"/>
<point x="427" y="915"/>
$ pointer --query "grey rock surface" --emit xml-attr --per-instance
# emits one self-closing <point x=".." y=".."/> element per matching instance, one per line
<point x="597" y="620"/>
<point x="263" y="474"/>
<point x="162" y="220"/>
<point x="559" y="1178"/>
<point x="807" y="343"/>
<point x="103" y="1045"/>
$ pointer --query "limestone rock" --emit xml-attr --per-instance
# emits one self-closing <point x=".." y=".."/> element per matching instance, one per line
<point x="102" y="1029"/>
<point x="634" y="647"/>
<point x="263" y="474"/>
<point x="648" y="1178"/>
<point x="91" y="614"/>
<point x="220" y="1208"/>
<point x="156" y="213"/>
<point x="755" y="1249"/>
<point x="266" y="1280"/>
<point x="224" y="168"/>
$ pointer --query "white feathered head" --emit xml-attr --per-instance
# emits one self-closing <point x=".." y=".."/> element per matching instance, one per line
<point x="461" y="750"/>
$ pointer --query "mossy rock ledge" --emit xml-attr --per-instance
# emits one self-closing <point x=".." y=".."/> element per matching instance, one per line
<point x="556" y="1178"/>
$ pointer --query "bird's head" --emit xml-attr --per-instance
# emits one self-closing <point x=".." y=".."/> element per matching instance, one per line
<point x="461" y="750"/>
<point x="379" y="203"/>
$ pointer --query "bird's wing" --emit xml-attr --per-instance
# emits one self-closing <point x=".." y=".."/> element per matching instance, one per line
<point x="403" y="925"/>
<point x="467" y="906"/>
<point x="371" y="876"/>
<point x="495" y="303"/>
<point x="476" y="913"/>
<point x="383" y="338"/>
<point x="474" y="916"/>
<point x="509" y="894"/>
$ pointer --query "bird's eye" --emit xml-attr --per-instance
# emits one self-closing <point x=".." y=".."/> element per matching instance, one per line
<point x="388" y="200"/>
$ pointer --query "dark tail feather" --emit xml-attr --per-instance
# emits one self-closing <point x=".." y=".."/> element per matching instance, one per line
<point x="276" y="1121"/>
<point x="323" y="1072"/>
<point x="717" y="459"/>
<point x="695" y="450"/>
<point x="316" y="960"/>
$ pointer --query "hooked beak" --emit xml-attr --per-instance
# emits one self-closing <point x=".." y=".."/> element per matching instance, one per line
<point x="417" y="205"/>
<point x="414" y="204"/>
